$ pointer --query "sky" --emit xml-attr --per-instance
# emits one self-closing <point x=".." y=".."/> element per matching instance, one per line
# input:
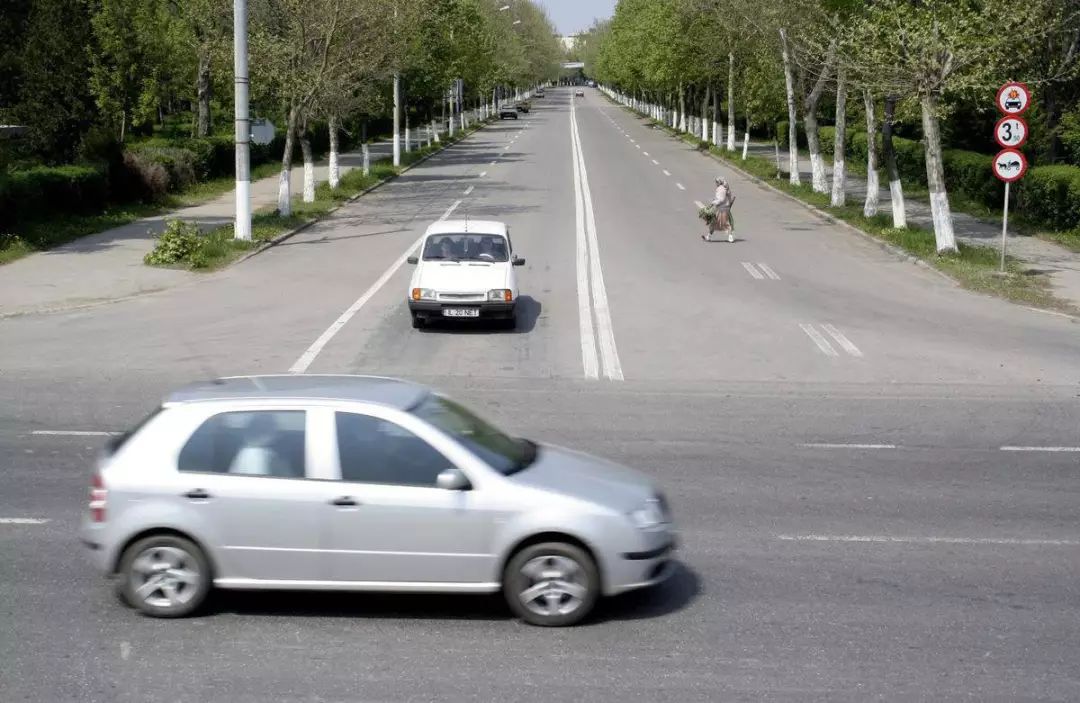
<point x="572" y="16"/>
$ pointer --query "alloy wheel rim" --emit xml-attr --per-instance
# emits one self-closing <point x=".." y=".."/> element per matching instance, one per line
<point x="553" y="585"/>
<point x="165" y="577"/>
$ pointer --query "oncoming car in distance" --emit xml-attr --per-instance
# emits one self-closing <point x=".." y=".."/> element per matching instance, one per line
<point x="358" y="483"/>
<point x="465" y="271"/>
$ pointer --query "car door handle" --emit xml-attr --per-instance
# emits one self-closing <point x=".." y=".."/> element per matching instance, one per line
<point x="197" y="494"/>
<point x="345" y="501"/>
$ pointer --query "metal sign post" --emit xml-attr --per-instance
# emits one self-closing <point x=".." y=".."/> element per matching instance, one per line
<point x="1010" y="132"/>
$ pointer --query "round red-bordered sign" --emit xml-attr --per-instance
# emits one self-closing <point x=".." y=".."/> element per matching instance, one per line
<point x="1013" y="98"/>
<point x="1009" y="165"/>
<point x="1011" y="132"/>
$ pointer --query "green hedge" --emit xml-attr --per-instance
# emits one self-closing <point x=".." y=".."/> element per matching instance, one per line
<point x="1050" y="195"/>
<point x="972" y="174"/>
<point x="27" y="194"/>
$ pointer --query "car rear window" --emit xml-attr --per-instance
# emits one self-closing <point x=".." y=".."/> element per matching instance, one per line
<point x="114" y="444"/>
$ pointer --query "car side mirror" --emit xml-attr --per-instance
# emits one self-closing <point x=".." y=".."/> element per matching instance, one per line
<point x="519" y="260"/>
<point x="412" y="260"/>
<point x="452" y="480"/>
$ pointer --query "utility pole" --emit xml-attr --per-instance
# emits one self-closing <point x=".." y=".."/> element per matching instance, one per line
<point x="242" y="225"/>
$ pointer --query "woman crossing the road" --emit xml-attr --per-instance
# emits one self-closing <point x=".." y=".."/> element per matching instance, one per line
<point x="721" y="206"/>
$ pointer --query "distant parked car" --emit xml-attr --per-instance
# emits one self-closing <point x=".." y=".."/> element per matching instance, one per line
<point x="524" y="106"/>
<point x="508" y="112"/>
<point x="539" y="92"/>
<point x="579" y="92"/>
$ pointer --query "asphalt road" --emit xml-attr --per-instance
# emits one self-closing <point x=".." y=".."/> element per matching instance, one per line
<point x="870" y="467"/>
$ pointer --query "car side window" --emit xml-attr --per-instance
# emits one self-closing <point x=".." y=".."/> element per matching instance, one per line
<point x="253" y="443"/>
<point x="372" y="450"/>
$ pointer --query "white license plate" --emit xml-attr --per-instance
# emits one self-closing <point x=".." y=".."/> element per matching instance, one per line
<point x="461" y="312"/>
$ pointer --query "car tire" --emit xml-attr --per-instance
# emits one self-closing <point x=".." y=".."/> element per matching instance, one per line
<point x="552" y="584"/>
<point x="510" y="323"/>
<point x="417" y="322"/>
<point x="178" y="569"/>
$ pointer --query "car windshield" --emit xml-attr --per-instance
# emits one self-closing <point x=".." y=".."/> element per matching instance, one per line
<point x="466" y="247"/>
<point x="503" y="453"/>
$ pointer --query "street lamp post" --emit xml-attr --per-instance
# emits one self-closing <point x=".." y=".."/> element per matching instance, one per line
<point x="242" y="225"/>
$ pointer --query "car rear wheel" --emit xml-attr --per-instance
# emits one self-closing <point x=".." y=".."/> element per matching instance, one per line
<point x="552" y="584"/>
<point x="165" y="576"/>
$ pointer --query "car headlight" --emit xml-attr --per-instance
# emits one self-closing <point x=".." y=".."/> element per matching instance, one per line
<point x="423" y="294"/>
<point x="501" y="294"/>
<point x="649" y="516"/>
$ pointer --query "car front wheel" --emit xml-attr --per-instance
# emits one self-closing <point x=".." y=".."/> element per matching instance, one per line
<point x="164" y="576"/>
<point x="553" y="584"/>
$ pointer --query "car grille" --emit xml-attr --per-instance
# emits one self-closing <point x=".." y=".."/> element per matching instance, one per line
<point x="463" y="297"/>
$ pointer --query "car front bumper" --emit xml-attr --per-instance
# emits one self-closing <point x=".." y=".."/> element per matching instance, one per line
<point x="644" y="568"/>
<point x="488" y="310"/>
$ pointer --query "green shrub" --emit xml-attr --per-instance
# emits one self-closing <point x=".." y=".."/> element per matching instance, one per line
<point x="31" y="194"/>
<point x="177" y="244"/>
<point x="142" y="179"/>
<point x="972" y="175"/>
<point x="1050" y="195"/>
<point x="782" y="133"/>
<point x="179" y="163"/>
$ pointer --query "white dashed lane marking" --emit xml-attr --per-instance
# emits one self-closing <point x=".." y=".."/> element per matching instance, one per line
<point x="681" y="186"/>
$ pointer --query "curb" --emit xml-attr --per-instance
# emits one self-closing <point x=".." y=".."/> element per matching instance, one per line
<point x="291" y="233"/>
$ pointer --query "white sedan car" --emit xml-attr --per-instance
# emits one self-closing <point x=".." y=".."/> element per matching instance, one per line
<point x="465" y="271"/>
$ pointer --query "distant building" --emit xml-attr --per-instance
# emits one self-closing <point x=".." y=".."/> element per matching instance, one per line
<point x="569" y="42"/>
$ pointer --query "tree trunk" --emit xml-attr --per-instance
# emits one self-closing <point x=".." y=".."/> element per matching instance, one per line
<point x="746" y="138"/>
<point x="309" y="163"/>
<point x="935" y="176"/>
<point x="202" y="89"/>
<point x="839" y="168"/>
<point x="705" y="114"/>
<point x="716" y="136"/>
<point x="813" y="142"/>
<point x="793" y="125"/>
<point x="284" y="182"/>
<point x="682" y="109"/>
<point x="397" y="121"/>
<point x="896" y="187"/>
<point x="870" y="207"/>
<point x="731" y="102"/>
<point x="333" y="169"/>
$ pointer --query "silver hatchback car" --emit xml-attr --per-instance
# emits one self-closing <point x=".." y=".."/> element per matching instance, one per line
<point x="363" y="484"/>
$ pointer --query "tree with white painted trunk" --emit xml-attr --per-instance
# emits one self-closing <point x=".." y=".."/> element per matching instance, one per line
<point x="870" y="206"/>
<point x="839" y="170"/>
<point x="793" y="116"/>
<point x="892" y="171"/>
<point x="731" y="102"/>
<point x="811" y="100"/>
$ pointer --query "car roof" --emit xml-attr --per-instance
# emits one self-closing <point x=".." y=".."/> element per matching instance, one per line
<point x="467" y="226"/>
<point x="367" y="389"/>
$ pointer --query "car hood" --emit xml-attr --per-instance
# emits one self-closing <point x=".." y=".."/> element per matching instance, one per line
<point x="586" y="477"/>
<point x="463" y="277"/>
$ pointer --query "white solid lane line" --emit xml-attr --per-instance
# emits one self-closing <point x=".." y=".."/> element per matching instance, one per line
<point x="835" y="445"/>
<point x="843" y="341"/>
<point x="681" y="186"/>
<point x="609" y="355"/>
<point x="666" y="172"/>
<point x="1040" y="449"/>
<point x="589" y="359"/>
<point x="752" y="270"/>
<point x="23" y="520"/>
<point x="767" y="270"/>
<point x="74" y="433"/>
<point x="309" y="355"/>
<point x="818" y="339"/>
<point x="933" y="540"/>
<point x="469" y="190"/>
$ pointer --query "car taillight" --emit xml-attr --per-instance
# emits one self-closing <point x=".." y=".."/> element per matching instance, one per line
<point x="98" y="495"/>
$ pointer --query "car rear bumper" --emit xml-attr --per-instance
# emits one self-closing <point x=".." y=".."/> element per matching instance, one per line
<point x="429" y="310"/>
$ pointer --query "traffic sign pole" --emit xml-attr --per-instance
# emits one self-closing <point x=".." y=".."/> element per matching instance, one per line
<point x="1004" y="225"/>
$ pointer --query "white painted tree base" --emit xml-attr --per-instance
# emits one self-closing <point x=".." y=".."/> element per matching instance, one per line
<point x="899" y="209"/>
<point x="284" y="197"/>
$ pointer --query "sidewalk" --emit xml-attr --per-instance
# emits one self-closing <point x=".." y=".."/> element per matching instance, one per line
<point x="109" y="265"/>
<point x="1058" y="263"/>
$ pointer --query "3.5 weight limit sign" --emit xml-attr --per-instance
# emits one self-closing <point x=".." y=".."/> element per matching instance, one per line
<point x="1011" y="131"/>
